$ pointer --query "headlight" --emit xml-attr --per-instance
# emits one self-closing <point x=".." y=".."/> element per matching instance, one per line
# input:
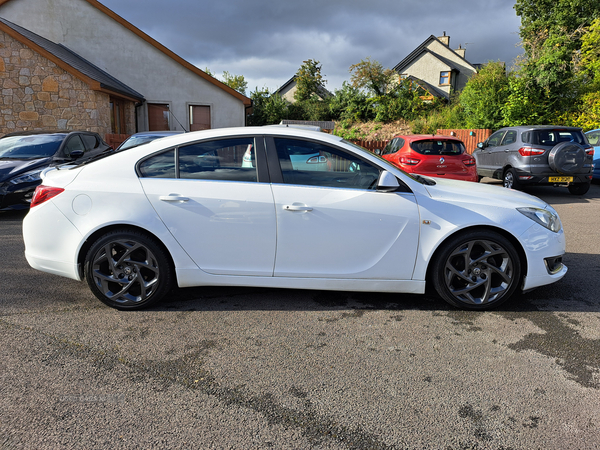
<point x="547" y="219"/>
<point x="27" y="177"/>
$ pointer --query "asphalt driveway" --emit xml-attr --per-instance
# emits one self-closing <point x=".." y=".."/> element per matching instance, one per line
<point x="288" y="369"/>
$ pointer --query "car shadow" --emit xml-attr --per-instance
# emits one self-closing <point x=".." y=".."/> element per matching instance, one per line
<point x="577" y="291"/>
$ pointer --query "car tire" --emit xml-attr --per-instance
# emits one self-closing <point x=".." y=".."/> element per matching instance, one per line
<point x="567" y="158"/>
<point x="137" y="273"/>
<point x="579" y="188"/>
<point x="510" y="179"/>
<point x="464" y="276"/>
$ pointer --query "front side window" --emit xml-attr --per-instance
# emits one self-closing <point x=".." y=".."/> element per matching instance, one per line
<point x="224" y="159"/>
<point x="495" y="139"/>
<point x="510" y="137"/>
<point x="73" y="144"/>
<point x="315" y="164"/>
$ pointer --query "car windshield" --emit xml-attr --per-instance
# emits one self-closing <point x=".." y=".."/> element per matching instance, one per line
<point x="438" y="147"/>
<point x="30" y="147"/>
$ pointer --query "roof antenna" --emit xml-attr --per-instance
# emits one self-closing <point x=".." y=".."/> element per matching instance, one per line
<point x="170" y="112"/>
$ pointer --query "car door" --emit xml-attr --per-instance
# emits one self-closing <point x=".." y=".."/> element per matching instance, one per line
<point x="487" y="157"/>
<point x="333" y="223"/>
<point x="216" y="205"/>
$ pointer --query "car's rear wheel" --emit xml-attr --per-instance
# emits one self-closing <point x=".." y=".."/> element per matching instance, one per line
<point x="510" y="180"/>
<point x="579" y="188"/>
<point x="128" y="270"/>
<point x="477" y="270"/>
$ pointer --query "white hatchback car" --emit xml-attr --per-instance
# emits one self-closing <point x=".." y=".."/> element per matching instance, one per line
<point x="190" y="210"/>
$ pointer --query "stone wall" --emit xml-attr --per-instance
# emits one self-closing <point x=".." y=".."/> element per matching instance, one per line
<point x="39" y="95"/>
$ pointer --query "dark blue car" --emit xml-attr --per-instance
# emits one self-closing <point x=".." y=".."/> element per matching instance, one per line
<point x="23" y="156"/>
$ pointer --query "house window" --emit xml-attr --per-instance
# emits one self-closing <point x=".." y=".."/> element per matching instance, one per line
<point x="444" y="78"/>
<point x="199" y="117"/>
<point x="158" y="117"/>
<point x="117" y="116"/>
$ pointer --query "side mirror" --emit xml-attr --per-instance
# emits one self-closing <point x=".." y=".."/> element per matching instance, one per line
<point x="481" y="145"/>
<point x="377" y="151"/>
<point x="387" y="182"/>
<point x="76" y="154"/>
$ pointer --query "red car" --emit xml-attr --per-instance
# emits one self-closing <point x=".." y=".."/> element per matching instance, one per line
<point x="431" y="155"/>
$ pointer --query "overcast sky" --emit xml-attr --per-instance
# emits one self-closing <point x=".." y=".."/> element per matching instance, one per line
<point x="266" y="41"/>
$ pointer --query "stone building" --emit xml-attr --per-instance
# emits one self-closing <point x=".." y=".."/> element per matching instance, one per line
<point x="75" y="64"/>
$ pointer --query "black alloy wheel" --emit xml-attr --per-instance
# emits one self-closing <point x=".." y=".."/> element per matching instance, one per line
<point x="477" y="270"/>
<point x="128" y="270"/>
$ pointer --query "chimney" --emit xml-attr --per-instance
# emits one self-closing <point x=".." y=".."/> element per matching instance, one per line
<point x="460" y="51"/>
<point x="445" y="39"/>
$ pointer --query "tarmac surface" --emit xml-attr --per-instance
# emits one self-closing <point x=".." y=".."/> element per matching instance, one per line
<point x="239" y="368"/>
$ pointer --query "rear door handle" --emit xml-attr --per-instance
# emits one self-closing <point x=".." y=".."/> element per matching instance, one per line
<point x="173" y="198"/>
<point x="296" y="207"/>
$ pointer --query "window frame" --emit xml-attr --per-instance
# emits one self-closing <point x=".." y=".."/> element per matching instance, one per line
<point x="262" y="170"/>
<point x="442" y="77"/>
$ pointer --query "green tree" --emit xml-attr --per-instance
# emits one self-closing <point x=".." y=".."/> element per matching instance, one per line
<point x="350" y="103"/>
<point x="551" y="34"/>
<point x="484" y="96"/>
<point x="309" y="81"/>
<point x="236" y="82"/>
<point x="372" y="76"/>
<point x="267" y="108"/>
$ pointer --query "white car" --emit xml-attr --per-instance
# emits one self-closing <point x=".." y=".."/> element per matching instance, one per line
<point x="188" y="210"/>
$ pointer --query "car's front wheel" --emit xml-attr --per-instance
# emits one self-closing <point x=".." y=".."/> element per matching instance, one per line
<point x="477" y="270"/>
<point x="127" y="269"/>
<point x="579" y="188"/>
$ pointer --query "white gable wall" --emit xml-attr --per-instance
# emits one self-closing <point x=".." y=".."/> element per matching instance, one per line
<point x="109" y="45"/>
<point x="428" y="68"/>
<point x="466" y="70"/>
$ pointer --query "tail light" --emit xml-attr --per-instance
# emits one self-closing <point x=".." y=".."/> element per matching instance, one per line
<point x="409" y="161"/>
<point x="529" y="151"/>
<point x="589" y="151"/>
<point x="43" y="194"/>
<point x="469" y="162"/>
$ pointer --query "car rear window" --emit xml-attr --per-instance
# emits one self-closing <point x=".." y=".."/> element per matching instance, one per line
<point x="438" y="147"/>
<point x="553" y="137"/>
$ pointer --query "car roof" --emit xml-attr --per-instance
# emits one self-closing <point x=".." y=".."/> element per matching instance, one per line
<point x="423" y="137"/>
<point x="46" y="132"/>
<point x="542" y="127"/>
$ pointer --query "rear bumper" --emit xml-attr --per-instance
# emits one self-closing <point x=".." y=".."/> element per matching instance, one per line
<point x="544" y="178"/>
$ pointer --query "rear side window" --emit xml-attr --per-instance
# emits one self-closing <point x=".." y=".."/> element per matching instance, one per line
<point x="438" y="147"/>
<point x="393" y="146"/>
<point x="553" y="137"/>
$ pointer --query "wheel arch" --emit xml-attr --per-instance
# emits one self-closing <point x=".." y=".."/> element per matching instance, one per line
<point x="107" y="229"/>
<point x="510" y="237"/>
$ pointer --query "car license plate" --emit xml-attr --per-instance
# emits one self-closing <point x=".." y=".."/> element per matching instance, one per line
<point x="560" y="179"/>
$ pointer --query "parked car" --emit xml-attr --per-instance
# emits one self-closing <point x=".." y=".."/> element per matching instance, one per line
<point x="431" y="155"/>
<point x="593" y="138"/>
<point x="23" y="156"/>
<point x="537" y="155"/>
<point x="191" y="213"/>
<point x="143" y="137"/>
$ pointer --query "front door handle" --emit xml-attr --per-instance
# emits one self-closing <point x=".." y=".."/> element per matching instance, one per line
<point x="173" y="198"/>
<point x="297" y="207"/>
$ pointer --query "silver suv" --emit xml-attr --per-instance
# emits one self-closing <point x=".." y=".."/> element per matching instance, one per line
<point x="542" y="155"/>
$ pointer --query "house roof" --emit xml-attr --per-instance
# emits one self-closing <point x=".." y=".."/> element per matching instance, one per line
<point x="65" y="58"/>
<point x="322" y="91"/>
<point x="416" y="53"/>
<point x="245" y="100"/>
